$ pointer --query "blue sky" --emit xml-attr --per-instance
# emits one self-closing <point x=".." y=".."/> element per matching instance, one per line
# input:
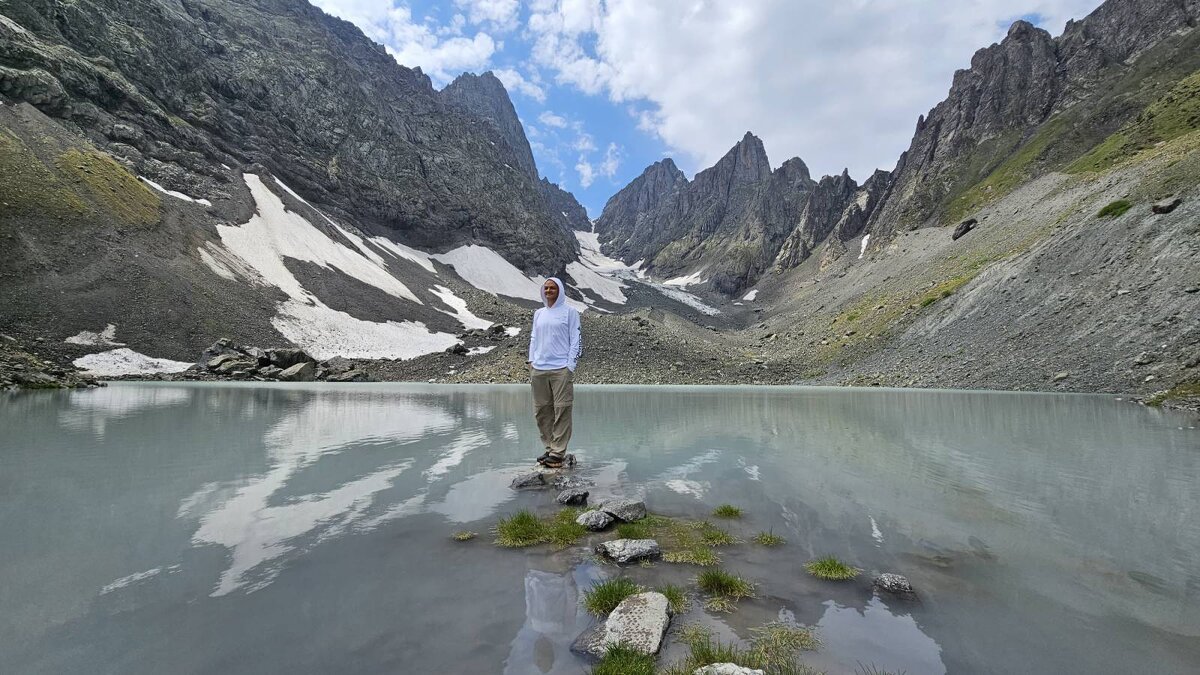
<point x="607" y="87"/>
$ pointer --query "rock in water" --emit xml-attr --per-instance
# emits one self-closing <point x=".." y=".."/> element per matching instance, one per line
<point x="572" y="496"/>
<point x="893" y="583"/>
<point x="301" y="372"/>
<point x="534" y="479"/>
<point x="726" y="669"/>
<point x="628" y="550"/>
<point x="640" y="621"/>
<point x="627" y="510"/>
<point x="563" y="482"/>
<point x="594" y="520"/>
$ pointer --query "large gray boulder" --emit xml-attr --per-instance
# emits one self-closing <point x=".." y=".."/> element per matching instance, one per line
<point x="594" y="520"/>
<point x="726" y="669"/>
<point x="572" y="496"/>
<point x="533" y="479"/>
<point x="286" y="357"/>
<point x="301" y="372"/>
<point x="624" y="509"/>
<point x="629" y="550"/>
<point x="640" y="622"/>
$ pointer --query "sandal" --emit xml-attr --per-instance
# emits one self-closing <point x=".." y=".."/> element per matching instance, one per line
<point x="545" y="456"/>
<point x="553" y="463"/>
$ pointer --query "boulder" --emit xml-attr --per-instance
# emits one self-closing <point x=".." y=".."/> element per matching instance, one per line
<point x="1166" y="207"/>
<point x="301" y="372"/>
<point x="233" y="365"/>
<point x="627" y="510"/>
<point x="629" y="550"/>
<point x="1144" y="358"/>
<point x="572" y="496"/>
<point x="893" y="583"/>
<point x="726" y="669"/>
<point x="352" y="375"/>
<point x="594" y="521"/>
<point x="565" y="482"/>
<point x="458" y="349"/>
<point x="963" y="228"/>
<point x="216" y="362"/>
<point x="286" y="357"/>
<point x="270" y="372"/>
<point x="534" y="479"/>
<point x="257" y="354"/>
<point x="640" y="622"/>
<point x="338" y="364"/>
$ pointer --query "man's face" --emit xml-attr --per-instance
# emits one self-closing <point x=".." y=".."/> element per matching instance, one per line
<point x="551" y="290"/>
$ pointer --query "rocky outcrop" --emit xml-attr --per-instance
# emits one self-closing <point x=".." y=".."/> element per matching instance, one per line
<point x="179" y="91"/>
<point x="20" y="369"/>
<point x="485" y="97"/>
<point x="622" y="225"/>
<point x="563" y="208"/>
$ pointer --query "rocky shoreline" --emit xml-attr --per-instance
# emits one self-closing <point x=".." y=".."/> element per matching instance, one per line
<point x="20" y="369"/>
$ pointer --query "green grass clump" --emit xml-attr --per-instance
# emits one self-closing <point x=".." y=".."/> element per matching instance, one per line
<point x="711" y="535"/>
<point x="676" y="598"/>
<point x="524" y="529"/>
<point x="831" y="569"/>
<point x="871" y="669"/>
<point x="773" y="649"/>
<point x="723" y="589"/>
<point x="1115" y="209"/>
<point x="606" y="595"/>
<point x="694" y="555"/>
<point x="621" y="659"/>
<point x="768" y="539"/>
<point x="682" y="541"/>
<point x="464" y="535"/>
<point x="638" y="530"/>
<point x="1186" y="390"/>
<point x="727" y="511"/>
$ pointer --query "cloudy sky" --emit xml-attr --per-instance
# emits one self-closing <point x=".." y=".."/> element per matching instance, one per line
<point x="606" y="87"/>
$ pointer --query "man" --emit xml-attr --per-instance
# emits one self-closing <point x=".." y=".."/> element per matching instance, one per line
<point x="554" y="349"/>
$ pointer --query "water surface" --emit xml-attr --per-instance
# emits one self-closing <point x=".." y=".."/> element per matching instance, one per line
<point x="153" y="528"/>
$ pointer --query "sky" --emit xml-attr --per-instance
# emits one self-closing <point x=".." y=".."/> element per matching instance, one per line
<point x="605" y="88"/>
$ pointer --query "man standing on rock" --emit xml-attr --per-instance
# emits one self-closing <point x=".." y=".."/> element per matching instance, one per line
<point x="554" y="348"/>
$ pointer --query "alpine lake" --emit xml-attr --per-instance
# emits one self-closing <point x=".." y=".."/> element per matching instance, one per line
<point x="236" y="528"/>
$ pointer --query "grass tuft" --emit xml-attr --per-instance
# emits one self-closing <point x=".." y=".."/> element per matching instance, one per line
<point x="694" y="555"/>
<point x="1115" y="209"/>
<point x="638" y="530"/>
<point x="831" y="569"/>
<point x="711" y="535"/>
<point x="606" y="595"/>
<point x="621" y="659"/>
<point x="464" y="535"/>
<point x="871" y="669"/>
<point x="524" y="529"/>
<point x="727" y="511"/>
<point x="724" y="589"/>
<point x="676" y="598"/>
<point x="773" y="649"/>
<point x="768" y="539"/>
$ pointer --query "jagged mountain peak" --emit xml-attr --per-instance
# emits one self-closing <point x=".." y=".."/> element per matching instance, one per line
<point x="794" y="170"/>
<point x="484" y="96"/>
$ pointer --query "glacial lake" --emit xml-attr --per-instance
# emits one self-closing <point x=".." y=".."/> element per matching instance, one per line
<point x="226" y="528"/>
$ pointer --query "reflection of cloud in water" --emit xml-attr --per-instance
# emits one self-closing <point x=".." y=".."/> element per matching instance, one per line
<point x="676" y="478"/>
<point x="453" y="456"/>
<point x="510" y="432"/>
<point x="256" y="531"/>
<point x="96" y="407"/>
<point x="476" y="497"/>
<point x="874" y="637"/>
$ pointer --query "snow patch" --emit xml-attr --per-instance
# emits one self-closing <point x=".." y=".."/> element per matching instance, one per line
<point x="749" y="297"/>
<point x="136" y="577"/>
<point x="512" y="331"/>
<point x="106" y="337"/>
<point x="459" y="307"/>
<point x="227" y="265"/>
<point x="325" y="332"/>
<point x="177" y="195"/>
<point x="401" y="251"/>
<point x="488" y="271"/>
<point x="606" y="288"/>
<point x="863" y="248"/>
<point x="125" y="361"/>
<point x="685" y="281"/>
<point x="687" y="299"/>
<point x="476" y="351"/>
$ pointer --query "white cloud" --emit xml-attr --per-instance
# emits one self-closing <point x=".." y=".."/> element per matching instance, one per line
<point x="583" y="142"/>
<point x="516" y="82"/>
<point x="612" y="160"/>
<point x="498" y="14"/>
<point x="839" y="84"/>
<point x="550" y="119"/>
<point x="587" y="174"/>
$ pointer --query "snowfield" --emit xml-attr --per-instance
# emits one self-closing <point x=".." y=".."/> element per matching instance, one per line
<point x="459" y="306"/>
<point x="106" y="337"/>
<point x="125" y="361"/>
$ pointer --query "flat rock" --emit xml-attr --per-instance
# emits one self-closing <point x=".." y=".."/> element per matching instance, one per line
<point x="594" y="520"/>
<point x="533" y="479"/>
<point x="629" y="550"/>
<point x="893" y="583"/>
<point x="301" y="372"/>
<point x="640" y="621"/>
<point x="726" y="669"/>
<point x="564" y="482"/>
<point x="627" y="510"/>
<point x="572" y="496"/>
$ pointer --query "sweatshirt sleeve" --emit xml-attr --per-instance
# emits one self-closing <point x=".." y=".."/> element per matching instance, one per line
<point x="576" y="347"/>
<point x="532" y="336"/>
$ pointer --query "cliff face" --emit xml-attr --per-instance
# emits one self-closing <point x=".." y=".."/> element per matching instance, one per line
<point x="179" y="90"/>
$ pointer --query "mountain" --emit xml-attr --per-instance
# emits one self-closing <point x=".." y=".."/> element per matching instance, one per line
<point x="175" y="90"/>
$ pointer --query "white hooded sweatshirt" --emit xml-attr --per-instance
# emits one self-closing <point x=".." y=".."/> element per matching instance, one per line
<point x="554" y="341"/>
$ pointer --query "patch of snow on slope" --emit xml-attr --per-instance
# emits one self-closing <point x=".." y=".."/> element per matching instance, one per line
<point x="401" y="251"/>
<point x="488" y="271"/>
<point x="125" y="361"/>
<point x="325" y="333"/>
<point x="609" y="289"/>
<point x="512" y="331"/>
<point x="459" y="306"/>
<point x="685" y="281"/>
<point x="749" y="297"/>
<point x="476" y="351"/>
<point x="274" y="233"/>
<point x="106" y="337"/>
<point x="177" y="195"/>
<point x="687" y="299"/>
<point x="863" y="248"/>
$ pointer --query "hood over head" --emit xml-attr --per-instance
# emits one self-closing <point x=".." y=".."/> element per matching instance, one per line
<point x="562" y="293"/>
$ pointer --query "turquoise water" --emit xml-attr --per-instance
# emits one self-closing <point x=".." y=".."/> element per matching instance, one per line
<point x="165" y="528"/>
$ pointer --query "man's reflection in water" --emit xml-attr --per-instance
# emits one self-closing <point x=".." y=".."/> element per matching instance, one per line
<point x="553" y="619"/>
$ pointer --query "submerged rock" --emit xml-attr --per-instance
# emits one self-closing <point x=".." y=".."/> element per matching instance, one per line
<point x="893" y="583"/>
<point x="726" y="669"/>
<point x="534" y="479"/>
<point x="563" y="482"/>
<point x="640" y="622"/>
<point x="594" y="520"/>
<point x="572" y="496"/>
<point x="629" y="550"/>
<point x="627" y="510"/>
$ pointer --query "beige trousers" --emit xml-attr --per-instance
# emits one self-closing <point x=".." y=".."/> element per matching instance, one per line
<point x="553" y="395"/>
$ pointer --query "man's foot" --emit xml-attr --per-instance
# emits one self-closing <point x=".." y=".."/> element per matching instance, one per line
<point x="545" y="456"/>
<point x="553" y="462"/>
